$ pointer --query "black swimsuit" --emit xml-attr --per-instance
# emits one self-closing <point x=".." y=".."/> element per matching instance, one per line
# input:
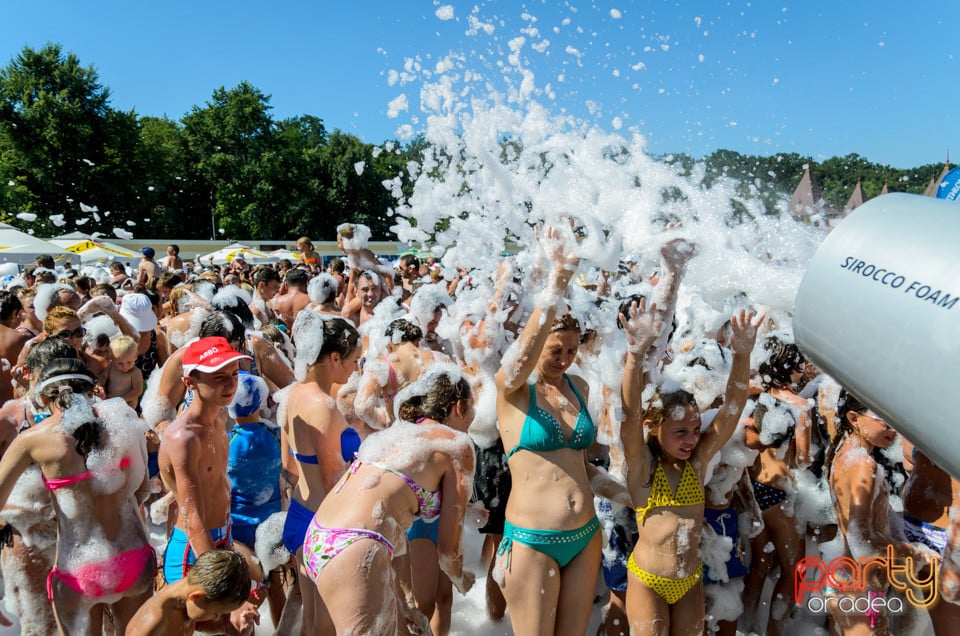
<point x="767" y="496"/>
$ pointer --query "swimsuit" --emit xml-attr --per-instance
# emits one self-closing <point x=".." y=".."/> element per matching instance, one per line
<point x="322" y="544"/>
<point x="149" y="359"/>
<point x="767" y="496"/>
<point x="492" y="485"/>
<point x="670" y="590"/>
<point x="429" y="503"/>
<point x="113" y="575"/>
<point x="254" y="471"/>
<point x="620" y="533"/>
<point x="934" y="537"/>
<point x="57" y="483"/>
<point x="295" y="525"/>
<point x="542" y="432"/>
<point x="179" y="557"/>
<point x="689" y="493"/>
<point x="726" y="524"/>
<point x="560" y="545"/>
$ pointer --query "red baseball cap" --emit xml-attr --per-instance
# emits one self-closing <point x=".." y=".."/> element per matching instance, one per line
<point x="207" y="355"/>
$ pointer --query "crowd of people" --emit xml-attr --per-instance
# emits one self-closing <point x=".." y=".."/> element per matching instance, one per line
<point x="188" y="446"/>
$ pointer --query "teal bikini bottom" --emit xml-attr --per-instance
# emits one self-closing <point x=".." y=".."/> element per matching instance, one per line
<point x="560" y="545"/>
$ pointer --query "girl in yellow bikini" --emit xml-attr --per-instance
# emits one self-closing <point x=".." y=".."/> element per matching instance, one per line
<point x="665" y="474"/>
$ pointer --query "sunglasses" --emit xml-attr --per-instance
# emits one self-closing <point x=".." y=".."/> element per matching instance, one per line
<point x="66" y="334"/>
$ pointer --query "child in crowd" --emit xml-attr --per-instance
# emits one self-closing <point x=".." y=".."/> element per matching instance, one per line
<point x="217" y="584"/>
<point x="125" y="380"/>
<point x="665" y="475"/>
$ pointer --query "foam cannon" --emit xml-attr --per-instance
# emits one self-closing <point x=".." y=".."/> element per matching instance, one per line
<point x="879" y="310"/>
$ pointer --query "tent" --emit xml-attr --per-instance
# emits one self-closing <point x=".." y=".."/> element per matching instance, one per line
<point x="19" y="247"/>
<point x="91" y="249"/>
<point x="228" y="253"/>
<point x="286" y="254"/>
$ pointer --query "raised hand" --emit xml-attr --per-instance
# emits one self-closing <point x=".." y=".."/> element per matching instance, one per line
<point x="642" y="326"/>
<point x="677" y="252"/>
<point x="744" y="325"/>
<point x="555" y="245"/>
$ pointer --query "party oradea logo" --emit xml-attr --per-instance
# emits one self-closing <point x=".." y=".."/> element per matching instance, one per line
<point x="843" y="583"/>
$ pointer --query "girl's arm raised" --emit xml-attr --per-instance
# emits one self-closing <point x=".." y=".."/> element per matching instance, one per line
<point x="642" y="327"/>
<point x="744" y="325"/>
<point x="521" y="359"/>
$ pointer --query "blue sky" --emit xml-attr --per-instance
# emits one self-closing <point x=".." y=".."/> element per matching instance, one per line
<point x="820" y="78"/>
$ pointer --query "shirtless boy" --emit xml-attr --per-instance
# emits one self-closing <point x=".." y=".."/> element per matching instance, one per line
<point x="217" y="584"/>
<point x="194" y="452"/>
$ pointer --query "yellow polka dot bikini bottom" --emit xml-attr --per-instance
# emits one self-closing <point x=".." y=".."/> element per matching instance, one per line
<point x="670" y="590"/>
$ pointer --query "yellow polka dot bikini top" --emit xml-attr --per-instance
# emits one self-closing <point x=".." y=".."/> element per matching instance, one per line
<point x="689" y="491"/>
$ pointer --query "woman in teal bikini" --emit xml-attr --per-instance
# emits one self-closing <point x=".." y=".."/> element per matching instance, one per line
<point x="550" y="554"/>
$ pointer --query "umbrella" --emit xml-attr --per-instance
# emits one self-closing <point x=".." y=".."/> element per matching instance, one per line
<point x="20" y="247"/>
<point x="228" y="253"/>
<point x="91" y="249"/>
<point x="286" y="254"/>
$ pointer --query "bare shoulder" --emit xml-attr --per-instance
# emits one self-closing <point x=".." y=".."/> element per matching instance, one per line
<point x="582" y="387"/>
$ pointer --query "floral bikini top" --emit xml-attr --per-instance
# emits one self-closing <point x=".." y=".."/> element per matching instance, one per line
<point x="429" y="502"/>
<point x="689" y="491"/>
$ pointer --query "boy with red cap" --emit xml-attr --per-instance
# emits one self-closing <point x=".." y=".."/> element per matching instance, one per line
<point x="194" y="452"/>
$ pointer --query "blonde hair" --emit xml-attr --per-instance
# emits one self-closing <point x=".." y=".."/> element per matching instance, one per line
<point x="57" y="315"/>
<point x="122" y="345"/>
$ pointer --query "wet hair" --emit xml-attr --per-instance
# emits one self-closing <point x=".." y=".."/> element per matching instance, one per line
<point x="173" y="247"/>
<point x="58" y="314"/>
<point x="409" y="259"/>
<point x="265" y="275"/>
<point x="63" y="392"/>
<point x="322" y="288"/>
<point x="122" y="345"/>
<point x="223" y="575"/>
<point x="784" y="359"/>
<point x="169" y="280"/>
<point x="104" y="289"/>
<point x="439" y="400"/>
<point x="339" y="336"/>
<point x="337" y="265"/>
<point x="367" y="274"/>
<point x="847" y="403"/>
<point x="663" y="402"/>
<point x="778" y="440"/>
<point x="9" y="304"/>
<point x="406" y="330"/>
<point x="297" y="277"/>
<point x="46" y="350"/>
<point x="565" y="322"/>
<point x="234" y="304"/>
<point x="273" y="333"/>
<point x="222" y="323"/>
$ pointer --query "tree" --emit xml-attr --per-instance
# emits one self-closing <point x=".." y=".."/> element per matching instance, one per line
<point x="62" y="144"/>
<point x="225" y="142"/>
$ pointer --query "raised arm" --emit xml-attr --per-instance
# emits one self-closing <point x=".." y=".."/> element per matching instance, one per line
<point x="674" y="257"/>
<point x="641" y="327"/>
<point x="521" y="359"/>
<point x="744" y="325"/>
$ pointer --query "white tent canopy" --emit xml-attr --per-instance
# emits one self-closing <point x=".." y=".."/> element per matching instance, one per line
<point x="19" y="247"/>
<point x="91" y="249"/>
<point x="228" y="253"/>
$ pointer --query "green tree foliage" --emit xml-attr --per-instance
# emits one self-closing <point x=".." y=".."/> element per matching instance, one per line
<point x="228" y="170"/>
<point x="62" y="144"/>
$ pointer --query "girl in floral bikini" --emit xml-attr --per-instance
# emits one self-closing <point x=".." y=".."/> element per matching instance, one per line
<point x="406" y="472"/>
<point x="665" y="475"/>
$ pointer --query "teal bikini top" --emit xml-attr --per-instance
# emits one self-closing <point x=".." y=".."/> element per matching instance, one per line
<point x="542" y="432"/>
